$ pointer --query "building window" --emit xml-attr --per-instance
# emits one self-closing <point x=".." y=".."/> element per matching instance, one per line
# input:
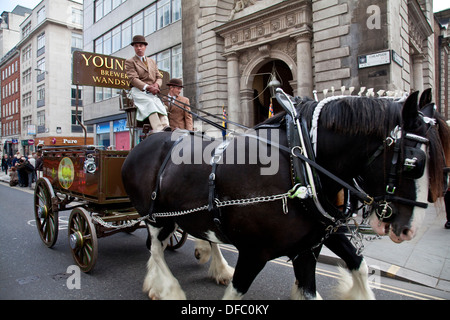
<point x="176" y="10"/>
<point x="116" y="39"/>
<point x="74" y="117"/>
<point x="171" y="60"/>
<point x="103" y="7"/>
<point x="107" y="47"/>
<point x="76" y="127"/>
<point x="27" y="120"/>
<point x="126" y="33"/>
<point x="40" y="44"/>
<point x="40" y="122"/>
<point x="41" y="15"/>
<point x="98" y="10"/>
<point x="26" y="53"/>
<point x="77" y="16"/>
<point x="74" y="95"/>
<point x="177" y="62"/>
<point x="163" y="13"/>
<point x="163" y="60"/>
<point x="26" y="99"/>
<point x="26" y="76"/>
<point x="41" y="96"/>
<point x="150" y="20"/>
<point x="137" y="23"/>
<point x="77" y="41"/>
<point x="26" y="30"/>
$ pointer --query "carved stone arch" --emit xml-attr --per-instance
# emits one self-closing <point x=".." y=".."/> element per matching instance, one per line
<point x="249" y="72"/>
<point x="257" y="62"/>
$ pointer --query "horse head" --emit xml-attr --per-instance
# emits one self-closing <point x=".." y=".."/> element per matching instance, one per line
<point x="413" y="169"/>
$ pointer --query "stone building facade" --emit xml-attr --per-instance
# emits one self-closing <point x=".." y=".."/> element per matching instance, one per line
<point x="232" y="48"/>
<point x="442" y="61"/>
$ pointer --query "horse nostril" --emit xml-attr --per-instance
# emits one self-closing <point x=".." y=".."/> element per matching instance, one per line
<point x="407" y="234"/>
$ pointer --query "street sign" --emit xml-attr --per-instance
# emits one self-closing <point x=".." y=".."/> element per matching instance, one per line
<point x="374" y="59"/>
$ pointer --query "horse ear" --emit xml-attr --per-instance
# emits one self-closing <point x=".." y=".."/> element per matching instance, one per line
<point x="428" y="110"/>
<point x="410" y="112"/>
<point x="425" y="98"/>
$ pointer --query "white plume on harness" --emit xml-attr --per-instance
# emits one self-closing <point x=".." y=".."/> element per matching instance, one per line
<point x="315" y="119"/>
<point x="322" y="103"/>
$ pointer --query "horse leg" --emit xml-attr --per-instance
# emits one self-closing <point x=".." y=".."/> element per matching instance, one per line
<point x="159" y="282"/>
<point x="219" y="269"/>
<point x="202" y="251"/>
<point x="247" y="268"/>
<point x="305" y="274"/>
<point x="353" y="285"/>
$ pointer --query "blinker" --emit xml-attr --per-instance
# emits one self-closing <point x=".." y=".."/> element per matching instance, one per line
<point x="414" y="163"/>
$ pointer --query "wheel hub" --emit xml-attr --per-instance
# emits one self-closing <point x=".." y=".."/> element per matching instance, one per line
<point x="43" y="212"/>
<point x="76" y="240"/>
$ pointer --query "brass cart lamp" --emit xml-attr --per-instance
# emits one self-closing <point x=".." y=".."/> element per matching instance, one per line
<point x="127" y="105"/>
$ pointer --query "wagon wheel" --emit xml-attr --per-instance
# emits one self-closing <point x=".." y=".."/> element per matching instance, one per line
<point x="83" y="239"/>
<point x="177" y="239"/>
<point x="45" y="213"/>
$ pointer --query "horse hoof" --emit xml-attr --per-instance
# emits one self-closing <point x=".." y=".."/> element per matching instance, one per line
<point x="153" y="296"/>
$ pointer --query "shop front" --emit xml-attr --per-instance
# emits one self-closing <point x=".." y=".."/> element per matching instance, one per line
<point x="62" y="141"/>
<point x="10" y="146"/>
<point x="113" y="134"/>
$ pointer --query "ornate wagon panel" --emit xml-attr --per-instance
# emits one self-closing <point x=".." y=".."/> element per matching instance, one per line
<point x="87" y="173"/>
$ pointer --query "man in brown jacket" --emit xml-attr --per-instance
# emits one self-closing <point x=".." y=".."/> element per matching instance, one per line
<point x="178" y="118"/>
<point x="145" y="81"/>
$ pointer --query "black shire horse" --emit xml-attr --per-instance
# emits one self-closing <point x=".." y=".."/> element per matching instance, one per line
<point x="395" y="151"/>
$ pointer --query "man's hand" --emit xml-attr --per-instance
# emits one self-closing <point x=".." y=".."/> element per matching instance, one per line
<point x="154" y="88"/>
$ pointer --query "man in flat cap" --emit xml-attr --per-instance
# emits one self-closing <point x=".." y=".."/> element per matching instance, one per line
<point x="146" y="80"/>
<point x="178" y="118"/>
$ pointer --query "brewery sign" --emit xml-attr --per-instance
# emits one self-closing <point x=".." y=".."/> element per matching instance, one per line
<point x="99" y="70"/>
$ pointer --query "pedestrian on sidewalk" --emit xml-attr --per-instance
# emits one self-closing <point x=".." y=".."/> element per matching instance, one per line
<point x="39" y="165"/>
<point x="32" y="161"/>
<point x="13" y="177"/>
<point x="5" y="164"/>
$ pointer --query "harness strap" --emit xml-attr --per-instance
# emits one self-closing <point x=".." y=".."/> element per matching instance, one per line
<point x="160" y="172"/>
<point x="392" y="198"/>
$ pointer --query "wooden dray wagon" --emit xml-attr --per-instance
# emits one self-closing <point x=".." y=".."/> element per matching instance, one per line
<point x="86" y="180"/>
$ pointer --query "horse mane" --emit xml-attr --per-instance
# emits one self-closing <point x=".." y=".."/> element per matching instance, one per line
<point x="439" y="155"/>
<point x="355" y="115"/>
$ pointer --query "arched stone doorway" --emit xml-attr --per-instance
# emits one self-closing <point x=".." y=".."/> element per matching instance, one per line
<point x="262" y="94"/>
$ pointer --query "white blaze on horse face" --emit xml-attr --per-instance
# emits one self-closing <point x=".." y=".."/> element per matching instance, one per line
<point x="422" y="187"/>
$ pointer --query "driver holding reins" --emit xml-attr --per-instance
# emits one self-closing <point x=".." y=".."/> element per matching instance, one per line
<point x="145" y="81"/>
